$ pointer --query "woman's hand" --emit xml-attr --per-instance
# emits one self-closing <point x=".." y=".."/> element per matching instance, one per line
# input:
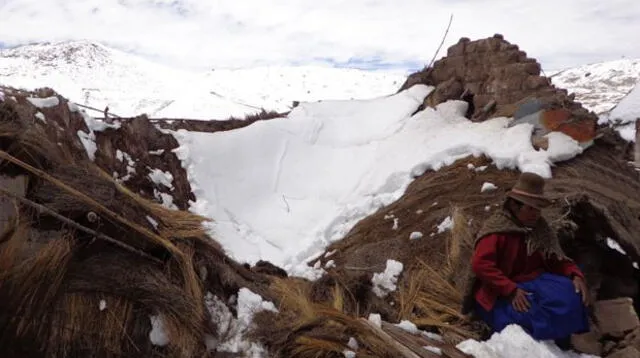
<point x="519" y="300"/>
<point x="581" y="288"/>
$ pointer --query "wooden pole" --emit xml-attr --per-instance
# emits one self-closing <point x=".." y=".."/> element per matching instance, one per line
<point x="416" y="343"/>
<point x="43" y="209"/>
<point x="637" y="144"/>
<point x="88" y="200"/>
<point x="444" y="37"/>
<point x="406" y="352"/>
<point x="408" y="340"/>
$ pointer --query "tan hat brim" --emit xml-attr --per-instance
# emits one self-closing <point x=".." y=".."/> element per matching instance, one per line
<point x="536" y="202"/>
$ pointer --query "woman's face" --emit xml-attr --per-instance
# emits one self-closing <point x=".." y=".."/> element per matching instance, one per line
<point x="528" y="215"/>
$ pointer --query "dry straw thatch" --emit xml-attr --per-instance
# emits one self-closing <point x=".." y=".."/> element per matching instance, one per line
<point x="54" y="278"/>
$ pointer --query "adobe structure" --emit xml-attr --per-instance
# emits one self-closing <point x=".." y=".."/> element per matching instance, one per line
<point x="497" y="78"/>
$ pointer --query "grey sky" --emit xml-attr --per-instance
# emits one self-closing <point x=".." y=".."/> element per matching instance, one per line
<point x="362" y="33"/>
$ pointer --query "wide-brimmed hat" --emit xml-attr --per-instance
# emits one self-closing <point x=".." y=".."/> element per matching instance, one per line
<point x="529" y="189"/>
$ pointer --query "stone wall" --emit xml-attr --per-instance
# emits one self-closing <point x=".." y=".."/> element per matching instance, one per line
<point x="492" y="70"/>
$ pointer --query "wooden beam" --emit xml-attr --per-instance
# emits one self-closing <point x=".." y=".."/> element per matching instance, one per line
<point x="416" y="342"/>
<point x="406" y="352"/>
<point x="409" y="340"/>
<point x="43" y="209"/>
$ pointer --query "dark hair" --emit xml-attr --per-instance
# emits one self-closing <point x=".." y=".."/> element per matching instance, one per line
<point x="510" y="203"/>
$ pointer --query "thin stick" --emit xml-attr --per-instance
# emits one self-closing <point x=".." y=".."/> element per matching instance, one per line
<point x="44" y="209"/>
<point x="88" y="200"/>
<point x="442" y="42"/>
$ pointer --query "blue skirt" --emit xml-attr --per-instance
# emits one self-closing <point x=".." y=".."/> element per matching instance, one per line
<point x="556" y="309"/>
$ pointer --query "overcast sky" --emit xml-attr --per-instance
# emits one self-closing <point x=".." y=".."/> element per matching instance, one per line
<point x="355" y="33"/>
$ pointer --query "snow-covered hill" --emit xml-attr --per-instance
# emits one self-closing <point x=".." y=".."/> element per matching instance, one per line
<point x="95" y="75"/>
<point x="600" y="86"/>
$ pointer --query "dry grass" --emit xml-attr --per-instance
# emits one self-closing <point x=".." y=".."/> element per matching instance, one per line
<point x="262" y="115"/>
<point x="51" y="286"/>
<point x="431" y="295"/>
<point x="310" y="329"/>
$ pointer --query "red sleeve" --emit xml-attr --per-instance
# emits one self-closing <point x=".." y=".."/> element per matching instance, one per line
<point x="563" y="267"/>
<point x="484" y="265"/>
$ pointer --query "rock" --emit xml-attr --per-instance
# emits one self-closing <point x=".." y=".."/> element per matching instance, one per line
<point x="617" y="315"/>
<point x="457" y="49"/>
<point x="628" y="352"/>
<point x="588" y="343"/>
<point x="535" y="82"/>
<point x="450" y="89"/>
<point x="266" y="267"/>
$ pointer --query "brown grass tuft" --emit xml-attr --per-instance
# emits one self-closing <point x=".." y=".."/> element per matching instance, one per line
<point x="308" y="329"/>
<point x="431" y="295"/>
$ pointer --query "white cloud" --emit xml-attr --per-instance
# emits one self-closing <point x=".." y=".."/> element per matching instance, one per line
<point x="239" y="33"/>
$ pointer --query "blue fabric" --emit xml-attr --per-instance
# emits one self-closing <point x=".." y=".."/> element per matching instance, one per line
<point x="556" y="309"/>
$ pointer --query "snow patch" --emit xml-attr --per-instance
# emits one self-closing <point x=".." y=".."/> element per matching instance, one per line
<point x="160" y="177"/>
<point x="47" y="102"/>
<point x="614" y="245"/>
<point x="103" y="305"/>
<point x="446" y="224"/>
<point x="434" y="336"/>
<point x="376" y="319"/>
<point x="330" y="264"/>
<point x="88" y="139"/>
<point x="486" y="186"/>
<point x="385" y="282"/>
<point x="125" y="158"/>
<point x="153" y="222"/>
<point x="562" y="147"/>
<point x="233" y="330"/>
<point x="158" y="334"/>
<point x="349" y="354"/>
<point x="396" y="221"/>
<point x="408" y="326"/>
<point x="353" y="344"/>
<point x="433" y="349"/>
<point x="416" y="235"/>
<point x="514" y="339"/>
<point x="165" y="199"/>
<point x="40" y="116"/>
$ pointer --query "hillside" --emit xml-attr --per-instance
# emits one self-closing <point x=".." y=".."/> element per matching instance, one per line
<point x="600" y="86"/>
<point x="95" y="75"/>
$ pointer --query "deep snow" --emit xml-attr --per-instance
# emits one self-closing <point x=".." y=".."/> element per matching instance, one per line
<point x="282" y="190"/>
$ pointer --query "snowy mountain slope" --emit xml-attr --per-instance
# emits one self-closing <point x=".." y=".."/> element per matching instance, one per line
<point x="625" y="114"/>
<point x="95" y="75"/>
<point x="600" y="86"/>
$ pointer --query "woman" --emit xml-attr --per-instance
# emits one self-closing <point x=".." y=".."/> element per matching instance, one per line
<point x="522" y="274"/>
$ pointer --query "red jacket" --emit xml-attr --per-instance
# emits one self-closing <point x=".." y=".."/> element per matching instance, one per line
<point x="500" y="261"/>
